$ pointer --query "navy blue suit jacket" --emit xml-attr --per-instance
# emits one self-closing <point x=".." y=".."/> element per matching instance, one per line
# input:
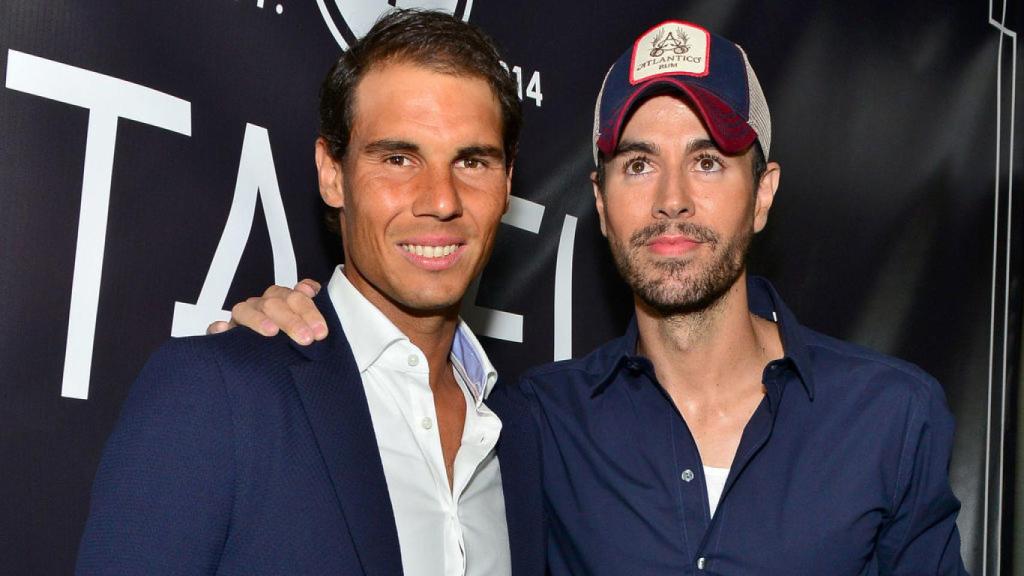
<point x="239" y="454"/>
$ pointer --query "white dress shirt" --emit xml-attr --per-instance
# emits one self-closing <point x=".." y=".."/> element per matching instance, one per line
<point x="441" y="532"/>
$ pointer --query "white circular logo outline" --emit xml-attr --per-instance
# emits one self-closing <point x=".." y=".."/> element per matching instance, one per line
<point x="340" y="38"/>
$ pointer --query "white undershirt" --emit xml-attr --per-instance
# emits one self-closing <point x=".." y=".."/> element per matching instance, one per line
<point x="441" y="532"/>
<point x="715" y="479"/>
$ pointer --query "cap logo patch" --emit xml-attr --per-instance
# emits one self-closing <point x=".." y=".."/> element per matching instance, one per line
<point x="670" y="48"/>
<point x="676" y="45"/>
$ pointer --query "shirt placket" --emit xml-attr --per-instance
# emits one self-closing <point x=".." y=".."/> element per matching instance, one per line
<point x="688" y="476"/>
<point x="755" y="436"/>
<point x="421" y="417"/>
<point x="480" y="434"/>
<point x="677" y="456"/>
<point x="477" y="440"/>
<point x="700" y="530"/>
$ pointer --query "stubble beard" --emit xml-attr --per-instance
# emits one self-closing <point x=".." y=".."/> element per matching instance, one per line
<point x="681" y="287"/>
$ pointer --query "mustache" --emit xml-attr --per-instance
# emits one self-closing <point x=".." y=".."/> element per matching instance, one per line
<point x="641" y="237"/>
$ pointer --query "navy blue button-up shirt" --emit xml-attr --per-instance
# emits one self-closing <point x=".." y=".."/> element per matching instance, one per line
<point x="842" y="469"/>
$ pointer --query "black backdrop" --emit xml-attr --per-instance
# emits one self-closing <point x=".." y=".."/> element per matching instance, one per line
<point x="134" y="137"/>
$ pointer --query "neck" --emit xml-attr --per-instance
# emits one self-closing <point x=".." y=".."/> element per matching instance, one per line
<point x="717" y="351"/>
<point x="432" y="331"/>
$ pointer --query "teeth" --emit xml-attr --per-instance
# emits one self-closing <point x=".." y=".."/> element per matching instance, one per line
<point x="430" y="251"/>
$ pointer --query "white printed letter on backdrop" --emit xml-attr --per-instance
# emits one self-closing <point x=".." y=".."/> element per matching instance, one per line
<point x="107" y="100"/>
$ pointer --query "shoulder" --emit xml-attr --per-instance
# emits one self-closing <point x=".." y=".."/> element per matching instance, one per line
<point x="239" y="345"/>
<point x="586" y="370"/>
<point x="242" y="346"/>
<point x="215" y="367"/>
<point x="567" y="381"/>
<point x="842" y="368"/>
<point x="248" y="351"/>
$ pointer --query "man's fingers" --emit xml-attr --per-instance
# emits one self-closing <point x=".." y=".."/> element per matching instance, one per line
<point x="219" y="326"/>
<point x="280" y="308"/>
<point x="308" y="287"/>
<point x="248" y="314"/>
<point x="302" y="304"/>
<point x="275" y="291"/>
<point x="282" y="313"/>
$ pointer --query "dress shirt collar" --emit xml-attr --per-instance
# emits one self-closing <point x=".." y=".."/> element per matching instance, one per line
<point x="370" y="333"/>
<point x="762" y="299"/>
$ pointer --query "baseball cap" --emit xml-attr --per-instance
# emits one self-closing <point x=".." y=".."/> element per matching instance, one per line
<point x="679" y="57"/>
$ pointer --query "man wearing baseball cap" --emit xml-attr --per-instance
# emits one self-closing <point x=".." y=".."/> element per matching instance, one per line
<point x="718" y="435"/>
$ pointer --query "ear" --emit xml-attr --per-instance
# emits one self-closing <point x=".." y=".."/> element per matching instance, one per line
<point x="599" y="202"/>
<point x="765" y="195"/>
<point x="508" y="188"/>
<point x="329" y="176"/>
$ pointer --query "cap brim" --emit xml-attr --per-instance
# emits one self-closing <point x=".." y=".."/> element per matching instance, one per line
<point x="729" y="130"/>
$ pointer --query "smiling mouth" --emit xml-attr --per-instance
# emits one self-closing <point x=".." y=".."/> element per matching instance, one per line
<point x="430" y="251"/>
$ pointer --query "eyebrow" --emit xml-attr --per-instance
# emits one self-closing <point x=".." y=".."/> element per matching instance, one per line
<point x="481" y="150"/>
<point x="627" y="146"/>
<point x="699" y="144"/>
<point x="389" y="146"/>
<point x="695" y="145"/>
<point x="379" y="146"/>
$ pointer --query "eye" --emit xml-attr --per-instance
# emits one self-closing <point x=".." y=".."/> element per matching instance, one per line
<point x="472" y="163"/>
<point x="709" y="163"/>
<point x="637" y="166"/>
<point x="397" y="160"/>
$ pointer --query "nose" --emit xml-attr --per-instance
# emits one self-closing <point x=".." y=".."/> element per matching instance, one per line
<point x="674" y="198"/>
<point x="438" y="196"/>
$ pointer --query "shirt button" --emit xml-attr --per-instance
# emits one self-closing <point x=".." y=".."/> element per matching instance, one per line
<point x="700" y="563"/>
<point x="687" y="475"/>
<point x="427" y="423"/>
<point x="413" y="360"/>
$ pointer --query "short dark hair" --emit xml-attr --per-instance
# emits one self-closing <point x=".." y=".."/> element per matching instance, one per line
<point x="759" y="165"/>
<point x="432" y="39"/>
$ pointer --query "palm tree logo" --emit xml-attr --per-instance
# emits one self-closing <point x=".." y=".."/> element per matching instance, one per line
<point x="675" y="42"/>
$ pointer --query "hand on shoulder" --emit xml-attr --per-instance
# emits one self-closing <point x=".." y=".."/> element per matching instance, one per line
<point x="280" y="308"/>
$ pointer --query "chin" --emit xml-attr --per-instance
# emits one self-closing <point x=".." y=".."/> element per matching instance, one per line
<point x="432" y="301"/>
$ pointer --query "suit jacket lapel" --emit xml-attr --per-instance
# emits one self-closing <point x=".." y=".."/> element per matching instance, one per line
<point x="332" y="394"/>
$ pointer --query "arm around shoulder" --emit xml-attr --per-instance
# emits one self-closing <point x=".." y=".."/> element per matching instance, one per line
<point x="162" y="497"/>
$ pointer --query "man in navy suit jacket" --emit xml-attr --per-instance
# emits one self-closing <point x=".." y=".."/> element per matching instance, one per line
<point x="237" y="454"/>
